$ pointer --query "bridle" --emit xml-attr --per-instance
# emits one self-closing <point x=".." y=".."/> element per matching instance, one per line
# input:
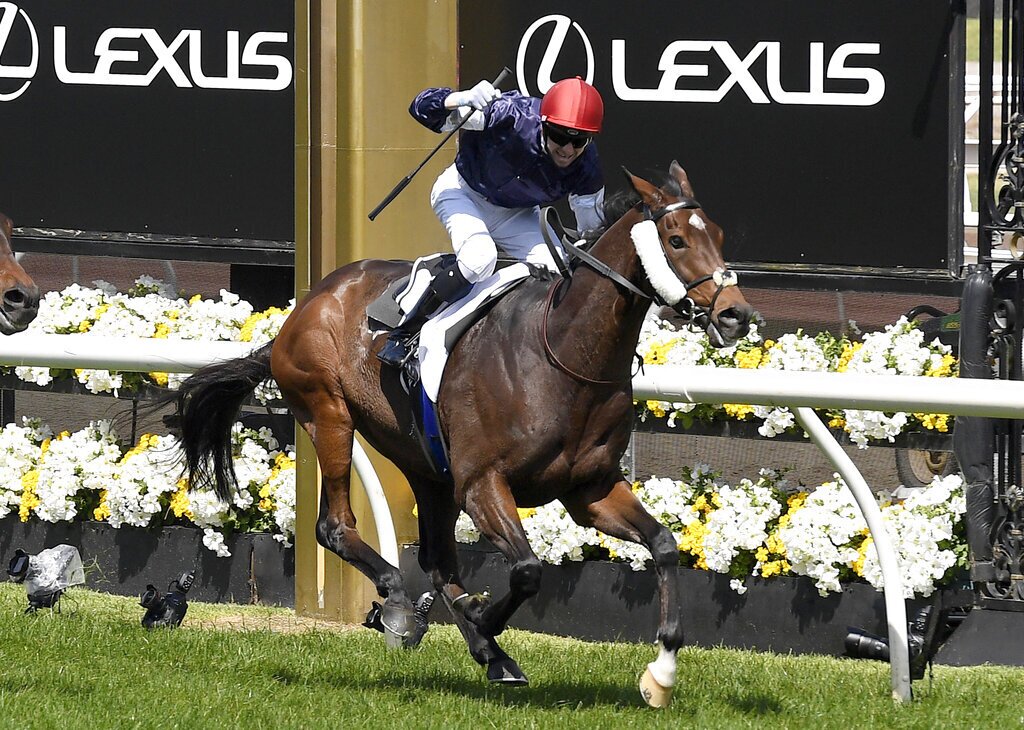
<point x="684" y="306"/>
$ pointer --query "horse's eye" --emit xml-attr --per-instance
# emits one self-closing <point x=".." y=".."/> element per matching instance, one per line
<point x="677" y="242"/>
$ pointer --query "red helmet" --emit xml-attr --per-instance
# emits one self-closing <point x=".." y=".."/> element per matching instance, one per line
<point x="573" y="104"/>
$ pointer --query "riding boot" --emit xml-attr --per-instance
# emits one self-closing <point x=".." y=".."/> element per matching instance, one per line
<point x="448" y="285"/>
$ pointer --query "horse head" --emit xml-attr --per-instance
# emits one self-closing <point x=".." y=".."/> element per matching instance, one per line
<point x="19" y="295"/>
<point x="680" y="252"/>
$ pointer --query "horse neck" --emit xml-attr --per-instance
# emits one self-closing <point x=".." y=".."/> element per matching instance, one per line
<point x="600" y="318"/>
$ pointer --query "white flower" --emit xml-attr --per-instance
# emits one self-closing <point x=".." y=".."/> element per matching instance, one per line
<point x="19" y="453"/>
<point x="739" y="523"/>
<point x="84" y="460"/>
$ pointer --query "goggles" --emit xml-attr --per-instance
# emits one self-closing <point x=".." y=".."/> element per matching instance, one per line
<point x="561" y="137"/>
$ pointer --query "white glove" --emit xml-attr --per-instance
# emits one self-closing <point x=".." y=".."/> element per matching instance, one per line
<point x="467" y="117"/>
<point x="479" y="97"/>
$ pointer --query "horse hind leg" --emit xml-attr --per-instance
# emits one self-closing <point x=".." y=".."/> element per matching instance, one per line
<point x="439" y="560"/>
<point x="329" y="425"/>
<point x="612" y="508"/>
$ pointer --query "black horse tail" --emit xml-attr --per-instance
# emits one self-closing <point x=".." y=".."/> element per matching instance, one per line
<point x="207" y="405"/>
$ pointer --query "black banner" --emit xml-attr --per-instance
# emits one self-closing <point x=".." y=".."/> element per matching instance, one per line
<point x="815" y="133"/>
<point x="163" y="118"/>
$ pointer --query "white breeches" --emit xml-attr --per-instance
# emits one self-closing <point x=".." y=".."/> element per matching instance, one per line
<point x="478" y="228"/>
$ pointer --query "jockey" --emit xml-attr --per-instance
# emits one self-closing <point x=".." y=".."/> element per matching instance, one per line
<point x="516" y="154"/>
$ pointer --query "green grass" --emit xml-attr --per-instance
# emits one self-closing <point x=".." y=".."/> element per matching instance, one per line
<point x="973" y="26"/>
<point x="95" y="667"/>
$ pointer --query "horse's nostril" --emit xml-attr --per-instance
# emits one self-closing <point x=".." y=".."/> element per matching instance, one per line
<point x="15" y="298"/>
<point x="20" y="298"/>
<point x="736" y="319"/>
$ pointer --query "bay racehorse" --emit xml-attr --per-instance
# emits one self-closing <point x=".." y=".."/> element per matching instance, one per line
<point x="535" y="404"/>
<point x="19" y="295"/>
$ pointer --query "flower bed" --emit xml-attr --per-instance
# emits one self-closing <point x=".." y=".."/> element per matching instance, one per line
<point x="88" y="474"/>
<point x="759" y="527"/>
<point x="148" y="309"/>
<point x="900" y="349"/>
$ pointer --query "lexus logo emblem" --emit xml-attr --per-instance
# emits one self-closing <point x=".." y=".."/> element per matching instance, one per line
<point x="538" y="84"/>
<point x="9" y="14"/>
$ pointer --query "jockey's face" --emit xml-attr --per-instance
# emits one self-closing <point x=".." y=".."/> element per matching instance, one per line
<point x="564" y="147"/>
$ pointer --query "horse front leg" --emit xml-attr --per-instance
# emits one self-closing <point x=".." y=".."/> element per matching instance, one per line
<point x="438" y="557"/>
<point x="490" y="504"/>
<point x="612" y="508"/>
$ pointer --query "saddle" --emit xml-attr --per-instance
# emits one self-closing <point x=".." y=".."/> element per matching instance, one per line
<point x="420" y="374"/>
<point x="387" y="311"/>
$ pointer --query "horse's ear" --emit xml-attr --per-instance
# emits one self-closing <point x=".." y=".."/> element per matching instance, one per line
<point x="650" y="194"/>
<point x="679" y="174"/>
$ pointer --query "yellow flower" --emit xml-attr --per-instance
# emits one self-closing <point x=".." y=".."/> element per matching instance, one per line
<point x="282" y="461"/>
<point x="264" y="491"/>
<point x="944" y="369"/>
<point x="525" y="512"/>
<point x="266" y="505"/>
<point x="739" y="411"/>
<point x="655" y="408"/>
<point x="862" y="555"/>
<point x="249" y="325"/>
<point x="749" y="359"/>
<point x="103" y="511"/>
<point x="29" y="499"/>
<point x="934" y="421"/>
<point x="159" y="378"/>
<point x="161" y="331"/>
<point x="196" y="298"/>
<point x="837" y="421"/>
<point x="180" y="504"/>
<point x="693" y="542"/>
<point x="658" y="354"/>
<point x="85" y="325"/>
<point x="849" y="350"/>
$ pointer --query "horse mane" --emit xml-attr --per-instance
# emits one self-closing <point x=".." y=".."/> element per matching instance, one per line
<point x="621" y="202"/>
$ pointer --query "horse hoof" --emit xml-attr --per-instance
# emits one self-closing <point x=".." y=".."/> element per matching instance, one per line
<point x="398" y="625"/>
<point x="506" y="671"/>
<point x="653" y="693"/>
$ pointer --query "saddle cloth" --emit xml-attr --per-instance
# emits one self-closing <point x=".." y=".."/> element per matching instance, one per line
<point x="440" y="333"/>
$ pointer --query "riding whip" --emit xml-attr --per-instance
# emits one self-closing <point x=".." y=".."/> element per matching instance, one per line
<point x="505" y="73"/>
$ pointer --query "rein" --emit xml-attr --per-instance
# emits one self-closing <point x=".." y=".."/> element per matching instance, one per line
<point x="693" y="313"/>
<point x="551" y="353"/>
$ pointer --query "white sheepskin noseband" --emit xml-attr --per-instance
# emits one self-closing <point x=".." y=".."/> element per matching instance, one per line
<point x="656" y="267"/>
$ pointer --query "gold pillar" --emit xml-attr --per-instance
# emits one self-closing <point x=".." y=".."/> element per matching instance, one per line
<point x="358" y="66"/>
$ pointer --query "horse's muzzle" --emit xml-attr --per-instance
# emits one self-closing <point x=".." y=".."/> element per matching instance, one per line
<point x="18" y="307"/>
<point x="732" y="323"/>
